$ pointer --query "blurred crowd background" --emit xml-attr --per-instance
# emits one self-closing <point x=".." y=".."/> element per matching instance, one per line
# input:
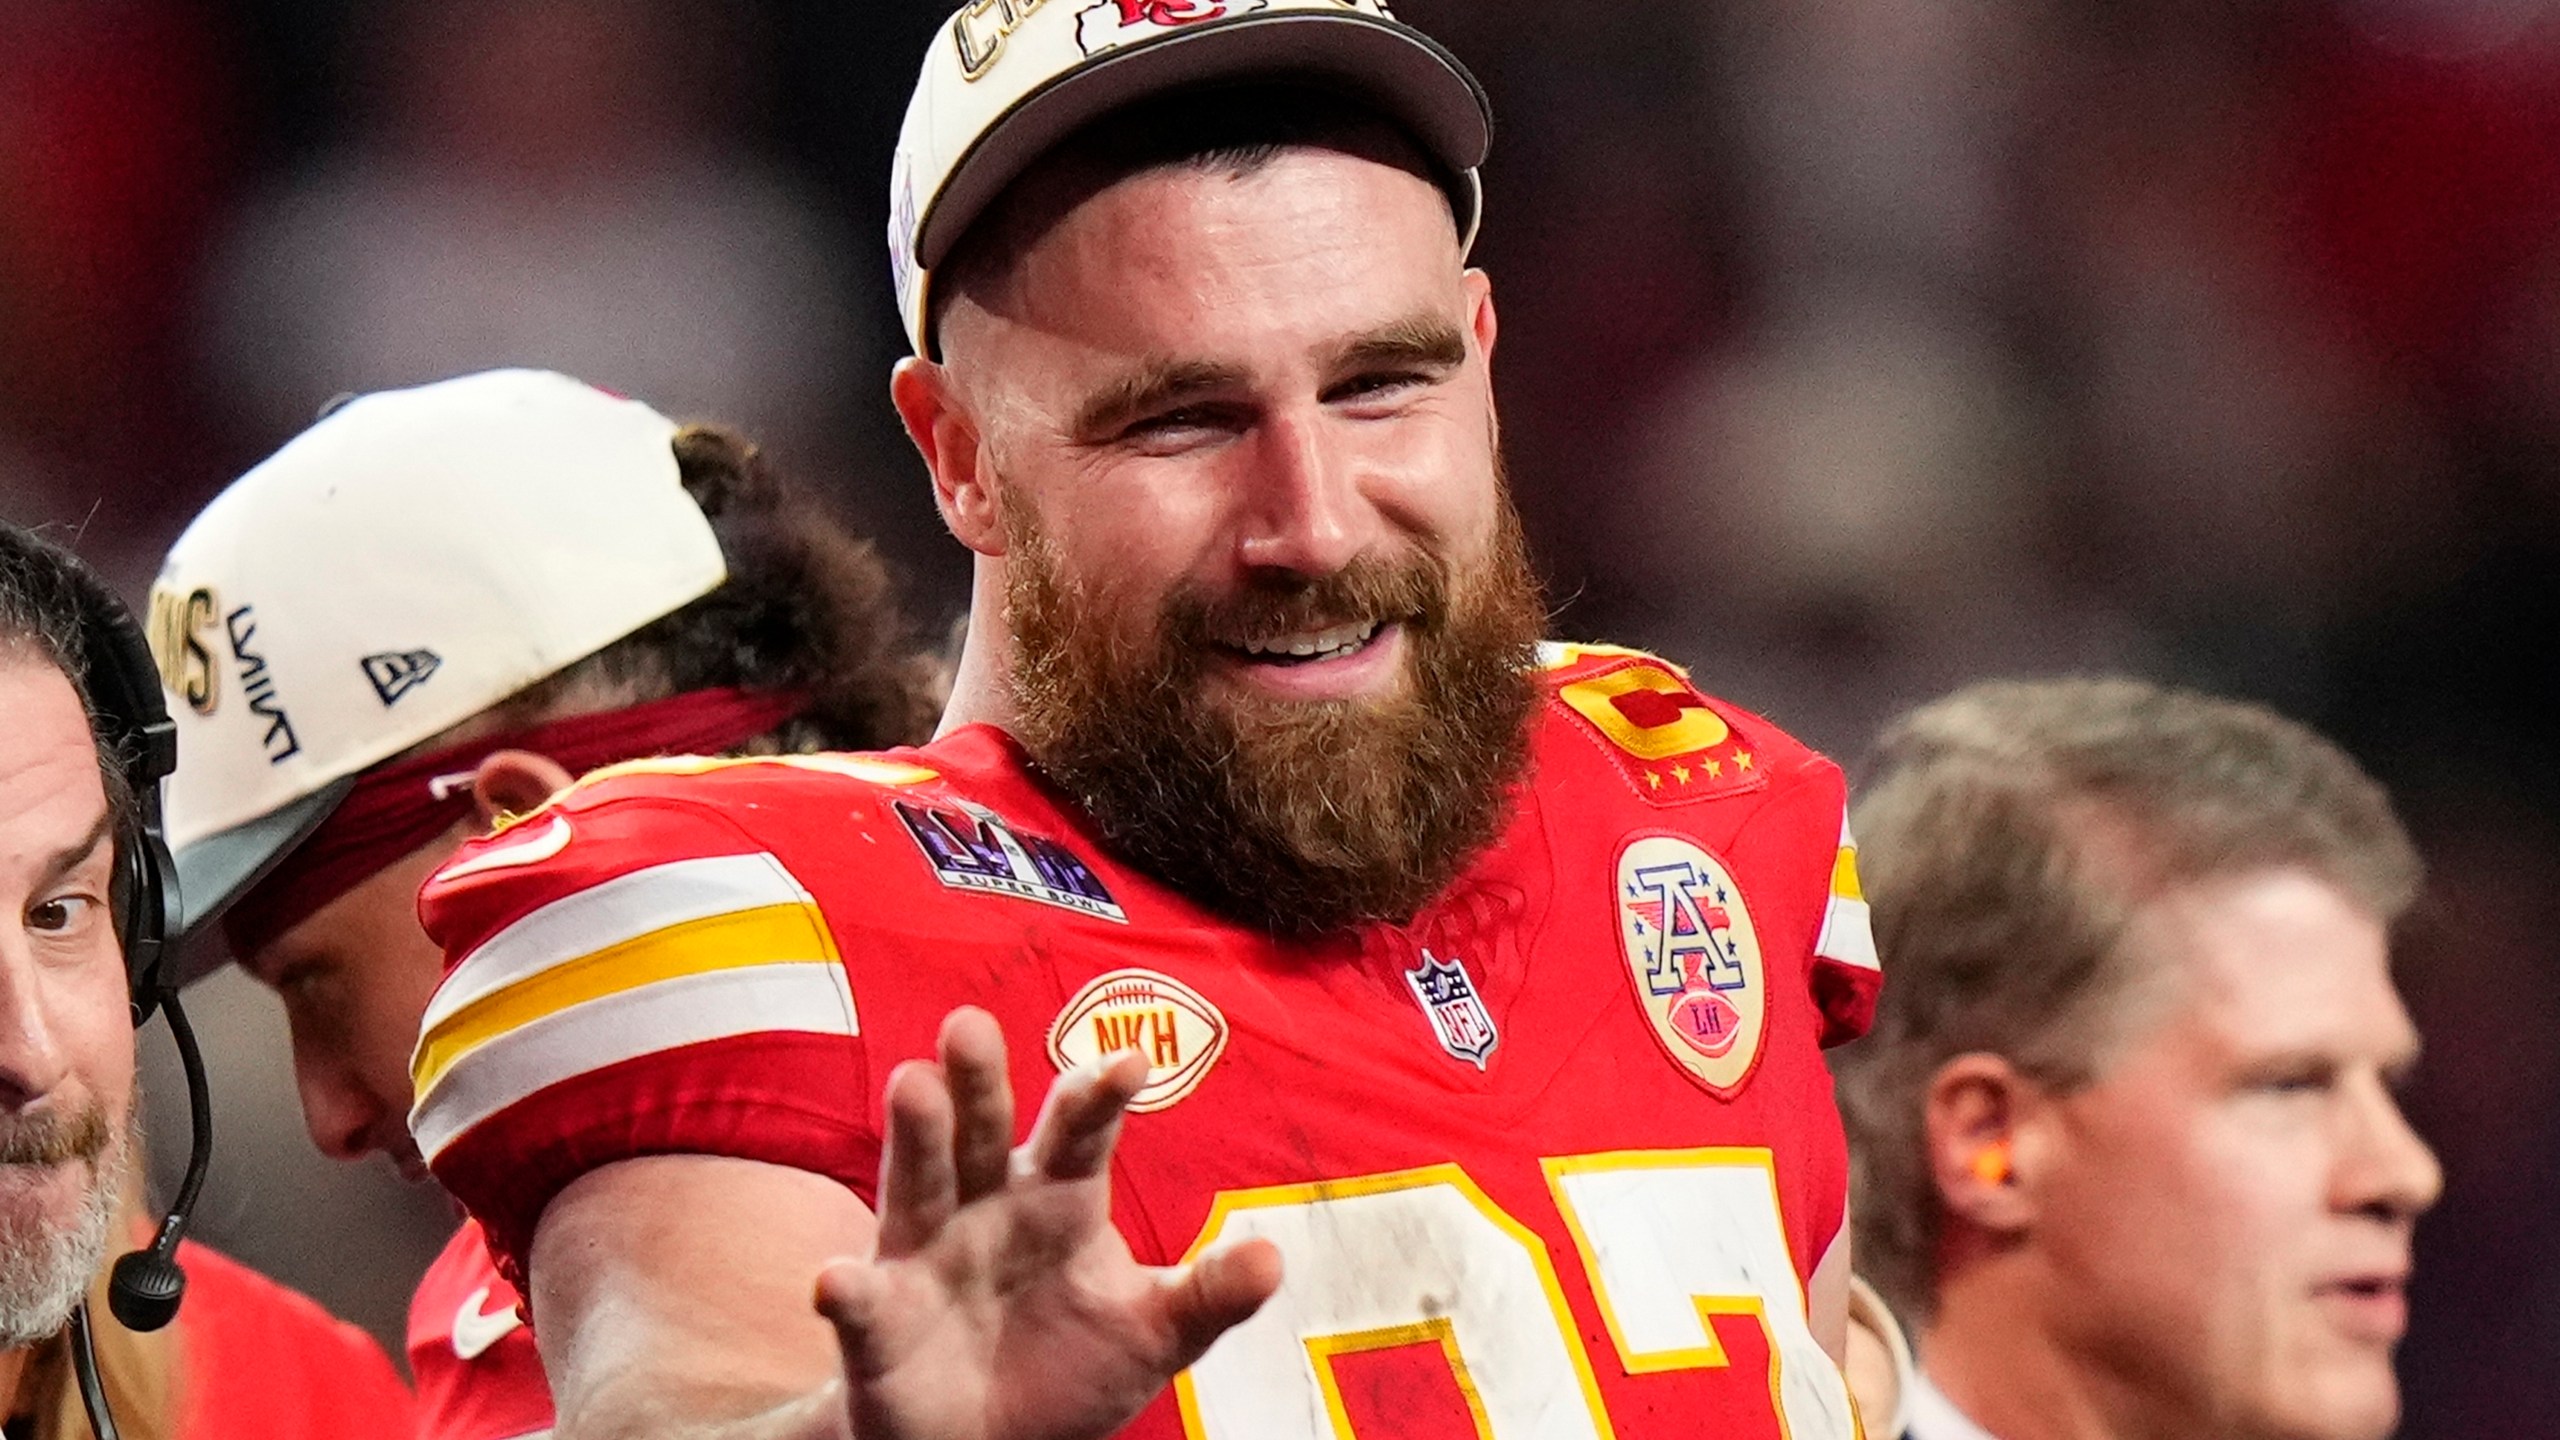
<point x="1851" y="349"/>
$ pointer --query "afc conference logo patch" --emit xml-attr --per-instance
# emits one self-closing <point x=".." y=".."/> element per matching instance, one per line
<point x="1447" y="995"/>
<point x="1173" y="1025"/>
<point x="1694" y="957"/>
<point x="972" y="848"/>
<point x="1666" y="738"/>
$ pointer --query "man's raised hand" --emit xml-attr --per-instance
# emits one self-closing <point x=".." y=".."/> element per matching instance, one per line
<point x="1002" y="1304"/>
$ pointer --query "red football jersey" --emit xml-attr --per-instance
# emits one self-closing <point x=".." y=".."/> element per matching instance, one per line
<point x="477" y="1373"/>
<point x="261" y="1360"/>
<point x="1553" y="1160"/>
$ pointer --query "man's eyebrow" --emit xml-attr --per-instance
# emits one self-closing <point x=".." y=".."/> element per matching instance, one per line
<point x="73" y="856"/>
<point x="1153" y="385"/>
<point x="1423" y="341"/>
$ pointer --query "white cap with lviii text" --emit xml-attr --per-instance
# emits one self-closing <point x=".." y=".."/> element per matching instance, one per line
<point x="1008" y="79"/>
<point x="411" y="560"/>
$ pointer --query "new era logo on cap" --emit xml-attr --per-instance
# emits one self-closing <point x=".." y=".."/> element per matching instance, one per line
<point x="397" y="674"/>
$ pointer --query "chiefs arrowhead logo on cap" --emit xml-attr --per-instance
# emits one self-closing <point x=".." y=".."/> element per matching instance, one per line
<point x="1117" y="22"/>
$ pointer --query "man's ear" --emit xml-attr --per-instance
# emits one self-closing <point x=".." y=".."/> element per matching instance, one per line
<point x="1481" y="317"/>
<point x="516" y="782"/>
<point x="954" y="451"/>
<point x="1981" y="1123"/>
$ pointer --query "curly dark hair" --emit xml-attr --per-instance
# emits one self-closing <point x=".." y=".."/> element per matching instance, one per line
<point x="808" y="606"/>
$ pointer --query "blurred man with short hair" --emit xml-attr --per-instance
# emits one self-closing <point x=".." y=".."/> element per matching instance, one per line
<point x="2127" y="1153"/>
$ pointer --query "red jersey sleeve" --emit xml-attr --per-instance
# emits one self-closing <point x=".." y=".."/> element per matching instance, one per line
<point x="629" y="972"/>
<point x="1845" y="974"/>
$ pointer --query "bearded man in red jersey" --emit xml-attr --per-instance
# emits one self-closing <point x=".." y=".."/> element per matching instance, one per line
<point x="1431" y="1019"/>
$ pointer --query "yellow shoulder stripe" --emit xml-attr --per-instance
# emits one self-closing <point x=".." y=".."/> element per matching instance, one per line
<point x="736" y="940"/>
<point x="1844" y="875"/>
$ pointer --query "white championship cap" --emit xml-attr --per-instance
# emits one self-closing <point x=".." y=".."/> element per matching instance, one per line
<point x="411" y="560"/>
<point x="1008" y="79"/>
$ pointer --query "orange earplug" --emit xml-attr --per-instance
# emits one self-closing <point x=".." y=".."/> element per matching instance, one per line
<point x="1991" y="1163"/>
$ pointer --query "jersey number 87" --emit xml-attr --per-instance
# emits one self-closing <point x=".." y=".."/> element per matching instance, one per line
<point x="1669" y="1239"/>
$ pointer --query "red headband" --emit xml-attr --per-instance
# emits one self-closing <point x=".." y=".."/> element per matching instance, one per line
<point x="398" y="808"/>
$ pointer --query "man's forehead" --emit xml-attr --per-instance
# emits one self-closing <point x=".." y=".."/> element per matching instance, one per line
<point x="2276" y="960"/>
<point x="53" y="800"/>
<point x="1315" y="241"/>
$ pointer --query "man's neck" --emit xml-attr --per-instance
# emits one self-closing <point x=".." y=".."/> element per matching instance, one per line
<point x="981" y="693"/>
<point x="13" y="1372"/>
<point x="1989" y="1352"/>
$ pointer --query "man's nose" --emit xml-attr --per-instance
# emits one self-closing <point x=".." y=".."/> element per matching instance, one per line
<point x="2387" y="1169"/>
<point x="32" y="1061"/>
<point x="340" y="1114"/>
<point x="1306" y="513"/>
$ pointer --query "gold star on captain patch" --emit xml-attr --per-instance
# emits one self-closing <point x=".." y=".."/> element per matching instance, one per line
<point x="1742" y="759"/>
<point x="1715" y="769"/>
<point x="1680" y="773"/>
<point x="1653" y="778"/>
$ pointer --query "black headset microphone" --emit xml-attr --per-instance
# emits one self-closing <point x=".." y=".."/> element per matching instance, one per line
<point x="123" y="685"/>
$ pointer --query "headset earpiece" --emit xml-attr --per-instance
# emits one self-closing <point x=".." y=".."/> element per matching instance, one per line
<point x="123" y="685"/>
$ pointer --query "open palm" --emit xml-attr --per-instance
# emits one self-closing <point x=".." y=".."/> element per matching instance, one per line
<point x="1001" y="1304"/>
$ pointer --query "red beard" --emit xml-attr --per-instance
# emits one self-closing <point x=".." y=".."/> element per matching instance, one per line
<point x="1296" y="817"/>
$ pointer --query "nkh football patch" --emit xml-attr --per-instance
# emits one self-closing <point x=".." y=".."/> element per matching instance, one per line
<point x="1173" y="1025"/>
<point x="1450" y="1001"/>
<point x="1694" y="957"/>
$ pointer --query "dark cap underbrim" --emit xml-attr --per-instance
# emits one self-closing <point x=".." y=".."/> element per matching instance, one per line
<point x="219" y="869"/>
<point x="1408" y="76"/>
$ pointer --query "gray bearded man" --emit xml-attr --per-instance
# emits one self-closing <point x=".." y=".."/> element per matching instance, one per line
<point x="81" y="882"/>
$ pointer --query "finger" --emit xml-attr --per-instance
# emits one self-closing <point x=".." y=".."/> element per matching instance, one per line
<point x="1216" y="1293"/>
<point x="918" y="1188"/>
<point x="1080" y="1121"/>
<point x="853" y="1296"/>
<point x="981" y="1100"/>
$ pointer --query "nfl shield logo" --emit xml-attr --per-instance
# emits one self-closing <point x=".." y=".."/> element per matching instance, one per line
<point x="1448" y="997"/>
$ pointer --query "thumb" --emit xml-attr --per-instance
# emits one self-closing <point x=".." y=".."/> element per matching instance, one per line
<point x="1216" y="1293"/>
<point x="852" y="1295"/>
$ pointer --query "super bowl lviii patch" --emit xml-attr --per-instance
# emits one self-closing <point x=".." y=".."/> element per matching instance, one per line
<point x="1173" y="1025"/>
<point x="972" y="848"/>
<point x="1694" y="958"/>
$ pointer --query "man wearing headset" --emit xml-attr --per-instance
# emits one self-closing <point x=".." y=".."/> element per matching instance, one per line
<point x="428" y="610"/>
<point x="78" y="898"/>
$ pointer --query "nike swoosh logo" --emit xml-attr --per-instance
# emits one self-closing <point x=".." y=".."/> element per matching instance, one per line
<point x="475" y="1331"/>
<point x="531" y="850"/>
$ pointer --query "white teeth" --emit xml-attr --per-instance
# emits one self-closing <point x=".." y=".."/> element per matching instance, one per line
<point x="1339" y="640"/>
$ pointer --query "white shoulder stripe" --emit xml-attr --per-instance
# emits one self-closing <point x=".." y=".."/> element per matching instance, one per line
<point x="623" y="908"/>
<point x="806" y="998"/>
<point x="1846" y="935"/>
